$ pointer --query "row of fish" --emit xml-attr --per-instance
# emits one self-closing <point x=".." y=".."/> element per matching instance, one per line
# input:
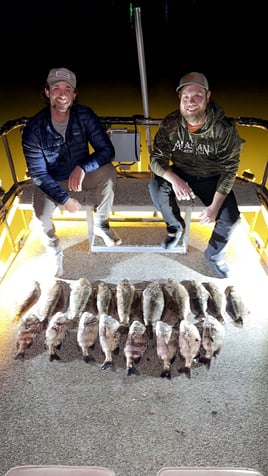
<point x="180" y="315"/>
<point x="177" y="298"/>
<point x="201" y="341"/>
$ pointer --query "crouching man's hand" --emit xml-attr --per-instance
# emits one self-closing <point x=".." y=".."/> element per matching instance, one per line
<point x="72" y="205"/>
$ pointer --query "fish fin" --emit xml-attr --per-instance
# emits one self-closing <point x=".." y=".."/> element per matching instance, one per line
<point x="20" y="356"/>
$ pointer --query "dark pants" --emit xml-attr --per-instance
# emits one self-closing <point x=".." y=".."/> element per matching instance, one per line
<point x="164" y="200"/>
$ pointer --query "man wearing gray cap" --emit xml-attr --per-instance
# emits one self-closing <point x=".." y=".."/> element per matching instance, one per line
<point x="196" y="152"/>
<point x="56" y="144"/>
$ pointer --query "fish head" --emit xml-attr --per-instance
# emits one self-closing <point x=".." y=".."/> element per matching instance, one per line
<point x="108" y="322"/>
<point x="137" y="327"/>
<point x="162" y="329"/>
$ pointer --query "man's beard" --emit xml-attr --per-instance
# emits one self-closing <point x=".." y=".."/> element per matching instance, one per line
<point x="194" y="118"/>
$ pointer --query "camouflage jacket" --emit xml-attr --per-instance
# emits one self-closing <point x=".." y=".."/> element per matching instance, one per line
<point x="213" y="150"/>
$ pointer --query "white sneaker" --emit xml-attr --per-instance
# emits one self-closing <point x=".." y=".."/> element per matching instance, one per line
<point x="58" y="264"/>
<point x="109" y="236"/>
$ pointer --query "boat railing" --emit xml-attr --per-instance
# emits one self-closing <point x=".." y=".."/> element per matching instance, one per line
<point x="137" y="121"/>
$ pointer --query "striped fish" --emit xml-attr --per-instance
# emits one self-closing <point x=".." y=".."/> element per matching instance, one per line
<point x="28" y="296"/>
<point x="55" y="334"/>
<point x="29" y="328"/>
<point x="135" y="346"/>
<point x="125" y="294"/>
<point x="189" y="345"/>
<point x="80" y="293"/>
<point x="109" y="337"/>
<point x="153" y="303"/>
<point x="166" y="346"/>
<point x="87" y="333"/>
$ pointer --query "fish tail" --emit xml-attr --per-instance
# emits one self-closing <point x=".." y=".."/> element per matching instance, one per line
<point x="108" y="365"/>
<point x="165" y="374"/>
<point x="185" y="370"/>
<point x="53" y="357"/>
<point x="132" y="371"/>
<point x="88" y="358"/>
<point x="204" y="360"/>
<point x="20" y="355"/>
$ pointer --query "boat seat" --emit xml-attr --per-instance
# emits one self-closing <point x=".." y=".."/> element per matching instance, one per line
<point x="132" y="195"/>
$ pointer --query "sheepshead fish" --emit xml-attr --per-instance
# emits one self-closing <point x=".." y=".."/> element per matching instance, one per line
<point x="213" y="334"/>
<point x="87" y="333"/>
<point x="55" y="334"/>
<point x="109" y="337"/>
<point x="51" y="301"/>
<point x="29" y="328"/>
<point x="198" y="298"/>
<point x="135" y="346"/>
<point x="189" y="345"/>
<point x="80" y="293"/>
<point x="177" y="300"/>
<point x="235" y="306"/>
<point x="216" y="300"/>
<point x="166" y="346"/>
<point x="153" y="303"/>
<point x="29" y="296"/>
<point x="125" y="294"/>
<point x="104" y="297"/>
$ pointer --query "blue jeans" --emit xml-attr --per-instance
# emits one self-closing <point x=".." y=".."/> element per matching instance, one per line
<point x="164" y="200"/>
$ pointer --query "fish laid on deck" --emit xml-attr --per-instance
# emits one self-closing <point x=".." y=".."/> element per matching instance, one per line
<point x="166" y="346"/>
<point x="29" y="328"/>
<point x="189" y="345"/>
<point x="153" y="303"/>
<point x="87" y="333"/>
<point x="125" y="294"/>
<point x="28" y="296"/>
<point x="104" y="297"/>
<point x="177" y="302"/>
<point x="109" y="337"/>
<point x="135" y="346"/>
<point x="235" y="306"/>
<point x="80" y="293"/>
<point x="213" y="334"/>
<point x="198" y="298"/>
<point x="55" y="334"/>
<point x="51" y="301"/>
<point x="216" y="301"/>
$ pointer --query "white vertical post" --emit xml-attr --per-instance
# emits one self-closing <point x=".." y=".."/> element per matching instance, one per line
<point x="143" y="78"/>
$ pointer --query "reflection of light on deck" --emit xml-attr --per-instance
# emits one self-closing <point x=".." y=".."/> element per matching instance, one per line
<point x="32" y="260"/>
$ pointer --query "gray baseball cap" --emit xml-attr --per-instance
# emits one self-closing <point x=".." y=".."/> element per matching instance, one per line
<point x="193" y="78"/>
<point x="56" y="75"/>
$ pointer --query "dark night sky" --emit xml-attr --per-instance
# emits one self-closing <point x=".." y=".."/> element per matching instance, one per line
<point x="224" y="39"/>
